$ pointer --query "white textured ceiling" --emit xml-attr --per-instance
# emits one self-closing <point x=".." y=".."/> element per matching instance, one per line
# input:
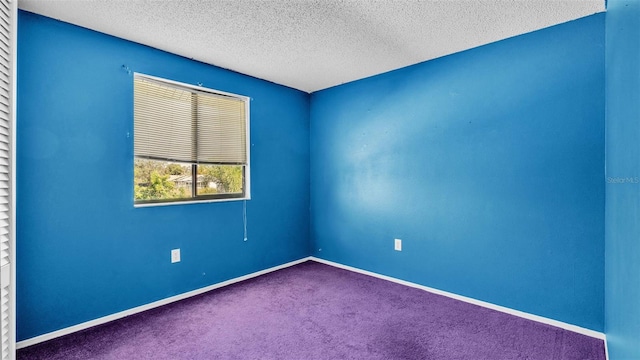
<point x="314" y="44"/>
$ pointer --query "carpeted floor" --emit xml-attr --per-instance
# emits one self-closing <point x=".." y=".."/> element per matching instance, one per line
<point x="315" y="311"/>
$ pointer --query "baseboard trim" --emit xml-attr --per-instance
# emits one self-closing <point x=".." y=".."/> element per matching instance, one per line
<point x="155" y="304"/>
<point x="522" y="314"/>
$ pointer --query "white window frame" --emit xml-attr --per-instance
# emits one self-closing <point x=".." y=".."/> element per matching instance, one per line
<point x="247" y="167"/>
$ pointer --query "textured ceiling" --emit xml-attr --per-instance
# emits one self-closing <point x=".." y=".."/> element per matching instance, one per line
<point x="314" y="44"/>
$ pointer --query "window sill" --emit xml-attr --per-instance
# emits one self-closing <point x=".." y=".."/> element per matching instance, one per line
<point x="190" y="202"/>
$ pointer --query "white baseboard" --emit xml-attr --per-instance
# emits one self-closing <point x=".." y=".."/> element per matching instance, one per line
<point x="522" y="314"/>
<point x="138" y="309"/>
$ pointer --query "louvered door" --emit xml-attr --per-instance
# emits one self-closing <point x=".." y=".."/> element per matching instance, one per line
<point x="8" y="17"/>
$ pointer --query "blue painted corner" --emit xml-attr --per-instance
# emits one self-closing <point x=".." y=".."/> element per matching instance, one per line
<point x="622" y="224"/>
<point x="488" y="164"/>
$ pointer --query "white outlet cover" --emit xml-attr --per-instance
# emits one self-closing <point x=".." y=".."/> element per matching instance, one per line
<point x="397" y="244"/>
<point x="175" y="256"/>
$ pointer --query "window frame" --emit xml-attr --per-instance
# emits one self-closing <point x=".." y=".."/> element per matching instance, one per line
<point x="208" y="198"/>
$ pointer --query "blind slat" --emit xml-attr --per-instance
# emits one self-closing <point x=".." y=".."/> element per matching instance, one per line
<point x="162" y="125"/>
<point x="180" y="124"/>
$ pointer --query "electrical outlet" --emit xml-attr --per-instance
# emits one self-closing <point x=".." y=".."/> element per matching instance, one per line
<point x="175" y="256"/>
<point x="397" y="244"/>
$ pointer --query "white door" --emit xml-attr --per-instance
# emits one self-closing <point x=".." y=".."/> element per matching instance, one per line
<point x="8" y="19"/>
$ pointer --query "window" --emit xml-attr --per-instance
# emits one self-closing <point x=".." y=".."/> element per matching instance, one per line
<point x="190" y="143"/>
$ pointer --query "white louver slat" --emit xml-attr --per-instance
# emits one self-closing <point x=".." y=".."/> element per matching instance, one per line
<point x="8" y="13"/>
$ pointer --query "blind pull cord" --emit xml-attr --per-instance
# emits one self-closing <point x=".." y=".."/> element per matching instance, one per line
<point x="244" y="218"/>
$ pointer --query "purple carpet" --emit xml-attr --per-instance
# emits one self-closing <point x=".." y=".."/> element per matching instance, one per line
<point x="315" y="311"/>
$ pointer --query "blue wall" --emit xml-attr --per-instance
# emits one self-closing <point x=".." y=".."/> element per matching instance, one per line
<point x="488" y="164"/>
<point x="622" y="222"/>
<point x="83" y="251"/>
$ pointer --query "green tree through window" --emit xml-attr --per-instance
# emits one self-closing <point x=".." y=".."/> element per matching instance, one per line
<point x="161" y="180"/>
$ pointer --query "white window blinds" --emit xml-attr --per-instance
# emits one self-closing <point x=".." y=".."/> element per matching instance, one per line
<point x="177" y="123"/>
